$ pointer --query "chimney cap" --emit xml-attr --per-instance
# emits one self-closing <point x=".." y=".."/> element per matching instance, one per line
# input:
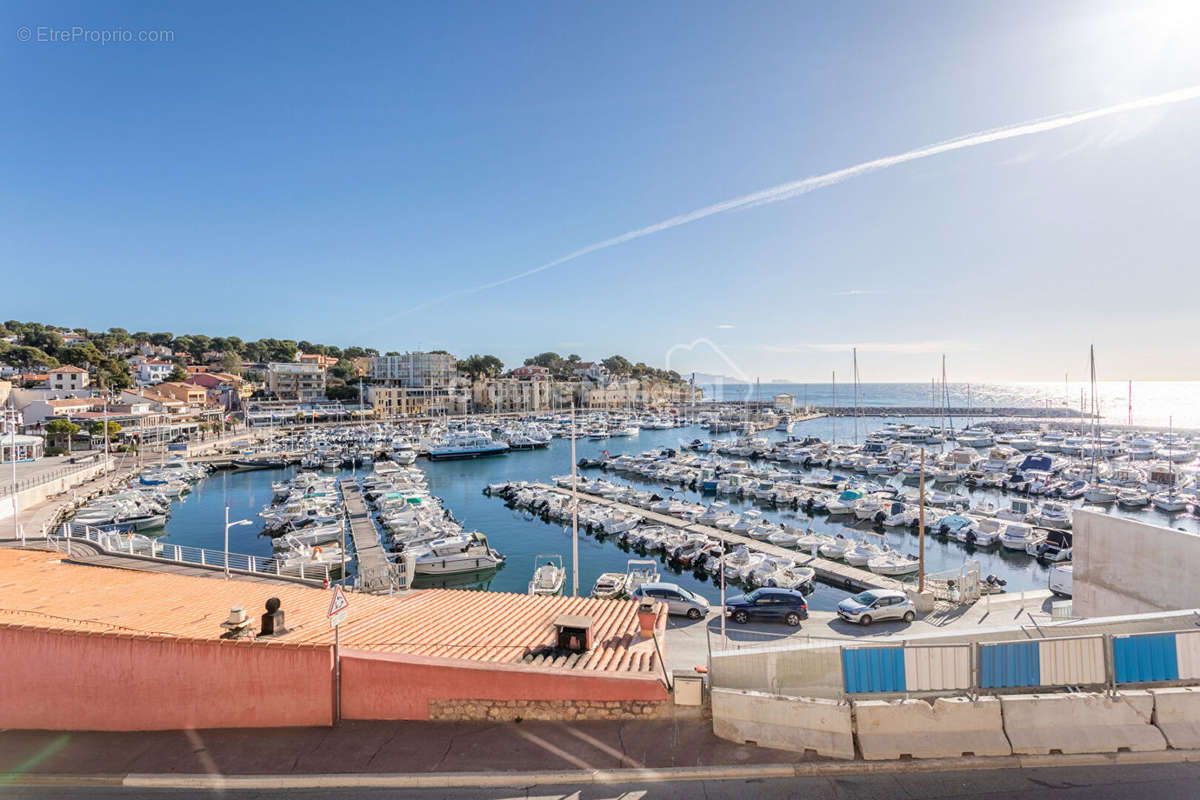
<point x="237" y="618"/>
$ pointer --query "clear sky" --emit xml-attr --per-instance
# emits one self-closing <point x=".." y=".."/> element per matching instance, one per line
<point x="353" y="173"/>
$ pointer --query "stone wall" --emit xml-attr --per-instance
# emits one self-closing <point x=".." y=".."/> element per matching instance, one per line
<point x="507" y="710"/>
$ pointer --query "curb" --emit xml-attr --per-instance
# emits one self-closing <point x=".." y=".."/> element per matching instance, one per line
<point x="603" y="776"/>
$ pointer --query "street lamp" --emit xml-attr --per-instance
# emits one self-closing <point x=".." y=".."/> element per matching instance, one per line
<point x="229" y="525"/>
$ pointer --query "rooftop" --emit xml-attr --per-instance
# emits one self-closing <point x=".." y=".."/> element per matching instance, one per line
<point x="67" y="370"/>
<point x="41" y="591"/>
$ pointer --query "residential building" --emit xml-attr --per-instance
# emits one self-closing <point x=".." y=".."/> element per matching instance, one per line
<point x="511" y="394"/>
<point x="415" y="370"/>
<point x="226" y="390"/>
<point x="152" y="371"/>
<point x="316" y="358"/>
<point x="300" y="382"/>
<point x="531" y="373"/>
<point x="631" y="392"/>
<point x="395" y="401"/>
<point x="194" y="397"/>
<point x="40" y="411"/>
<point x="592" y="371"/>
<point x="67" y="379"/>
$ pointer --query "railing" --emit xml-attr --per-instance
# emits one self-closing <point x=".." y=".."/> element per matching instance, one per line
<point x="137" y="545"/>
<point x="46" y="477"/>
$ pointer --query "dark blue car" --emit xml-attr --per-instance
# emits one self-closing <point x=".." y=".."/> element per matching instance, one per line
<point x="770" y="605"/>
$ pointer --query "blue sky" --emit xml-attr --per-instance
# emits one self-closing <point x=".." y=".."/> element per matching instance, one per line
<point x="329" y="171"/>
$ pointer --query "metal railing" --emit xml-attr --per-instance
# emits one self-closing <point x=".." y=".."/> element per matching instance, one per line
<point x="138" y="545"/>
<point x="46" y="477"/>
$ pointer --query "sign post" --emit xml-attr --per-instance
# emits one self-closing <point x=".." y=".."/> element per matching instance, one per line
<point x="338" y="606"/>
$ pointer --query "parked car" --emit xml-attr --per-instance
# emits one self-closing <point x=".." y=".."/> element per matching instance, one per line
<point x="678" y="599"/>
<point x="876" y="604"/>
<point x="773" y="605"/>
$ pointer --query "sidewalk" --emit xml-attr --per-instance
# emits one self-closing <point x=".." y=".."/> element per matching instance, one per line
<point x="410" y="748"/>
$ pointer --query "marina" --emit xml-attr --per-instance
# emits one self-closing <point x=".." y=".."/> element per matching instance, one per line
<point x="796" y="490"/>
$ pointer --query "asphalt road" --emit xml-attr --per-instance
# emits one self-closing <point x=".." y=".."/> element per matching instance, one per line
<point x="1157" y="781"/>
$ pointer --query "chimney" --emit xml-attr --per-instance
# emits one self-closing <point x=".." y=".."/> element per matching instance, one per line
<point x="238" y="624"/>
<point x="272" y="621"/>
<point x="574" y="633"/>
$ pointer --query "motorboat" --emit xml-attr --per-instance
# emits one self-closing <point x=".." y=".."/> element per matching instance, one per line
<point x="893" y="563"/>
<point x="549" y="576"/>
<point x="609" y="585"/>
<point x="468" y="552"/>
<point x="639" y="571"/>
<point x="467" y="445"/>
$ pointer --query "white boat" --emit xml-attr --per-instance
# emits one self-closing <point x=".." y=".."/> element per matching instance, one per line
<point x="468" y="552"/>
<point x="861" y="553"/>
<point x="467" y="445"/>
<point x="639" y="571"/>
<point x="549" y="576"/>
<point x="609" y="585"/>
<point x="893" y="563"/>
<point x="1169" y="502"/>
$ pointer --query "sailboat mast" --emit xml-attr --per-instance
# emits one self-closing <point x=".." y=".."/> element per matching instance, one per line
<point x="854" y="351"/>
<point x="833" y="416"/>
<point x="946" y="394"/>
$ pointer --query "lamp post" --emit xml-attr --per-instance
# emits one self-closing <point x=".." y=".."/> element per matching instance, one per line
<point x="229" y="525"/>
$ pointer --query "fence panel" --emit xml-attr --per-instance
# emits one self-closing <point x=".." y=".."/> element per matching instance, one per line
<point x="1071" y="662"/>
<point x="1009" y="664"/>
<point x="937" y="667"/>
<point x="1146" y="658"/>
<point x="1187" y="653"/>
<point x="873" y="669"/>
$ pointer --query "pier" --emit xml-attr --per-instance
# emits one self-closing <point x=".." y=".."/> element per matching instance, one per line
<point x="831" y="572"/>
<point x="376" y="572"/>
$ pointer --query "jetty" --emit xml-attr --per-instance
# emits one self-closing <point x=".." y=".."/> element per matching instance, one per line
<point x="831" y="572"/>
<point x="376" y="572"/>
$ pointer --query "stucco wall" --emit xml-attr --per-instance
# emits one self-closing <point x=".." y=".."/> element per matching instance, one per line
<point x="57" y="680"/>
<point x="391" y="686"/>
<point x="1124" y="566"/>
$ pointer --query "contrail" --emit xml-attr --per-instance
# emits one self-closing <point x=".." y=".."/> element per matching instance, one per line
<point x="786" y="191"/>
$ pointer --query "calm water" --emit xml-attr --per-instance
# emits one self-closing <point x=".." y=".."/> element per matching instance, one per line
<point x="198" y="520"/>
<point x="1153" y="402"/>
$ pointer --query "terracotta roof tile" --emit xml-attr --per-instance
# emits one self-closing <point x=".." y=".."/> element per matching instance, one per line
<point x="38" y="590"/>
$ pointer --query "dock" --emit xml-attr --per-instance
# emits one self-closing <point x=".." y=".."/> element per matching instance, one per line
<point x="376" y="572"/>
<point x="831" y="572"/>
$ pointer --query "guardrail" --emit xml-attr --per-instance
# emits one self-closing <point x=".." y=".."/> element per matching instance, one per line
<point x="46" y="477"/>
<point x="140" y="546"/>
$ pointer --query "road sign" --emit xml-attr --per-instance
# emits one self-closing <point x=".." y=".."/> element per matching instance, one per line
<point x="337" y="606"/>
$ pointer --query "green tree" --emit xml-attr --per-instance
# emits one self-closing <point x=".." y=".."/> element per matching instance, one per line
<point x="231" y="363"/>
<point x="477" y="366"/>
<point x="618" y="365"/>
<point x="62" y="428"/>
<point x="96" y="429"/>
<point x="161" y="339"/>
<point x="178" y="374"/>
<point x="26" y="357"/>
<point x="43" y="338"/>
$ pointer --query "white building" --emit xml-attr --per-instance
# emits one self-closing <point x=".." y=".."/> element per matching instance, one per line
<point x="785" y="402"/>
<point x="66" y="379"/>
<point x="593" y="371"/>
<point x="303" y="383"/>
<point x="150" y="372"/>
<point x="415" y="370"/>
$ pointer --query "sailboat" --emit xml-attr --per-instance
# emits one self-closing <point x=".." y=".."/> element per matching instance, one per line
<point x="1168" y="501"/>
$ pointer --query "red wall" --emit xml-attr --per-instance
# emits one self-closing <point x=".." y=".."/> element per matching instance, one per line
<point x="393" y="686"/>
<point x="62" y="680"/>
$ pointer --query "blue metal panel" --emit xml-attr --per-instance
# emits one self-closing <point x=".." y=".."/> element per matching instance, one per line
<point x="1009" y="664"/>
<point x="873" y="669"/>
<point x="1139" y="659"/>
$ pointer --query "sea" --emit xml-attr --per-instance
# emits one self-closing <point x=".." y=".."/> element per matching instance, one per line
<point x="1144" y="403"/>
<point x="197" y="520"/>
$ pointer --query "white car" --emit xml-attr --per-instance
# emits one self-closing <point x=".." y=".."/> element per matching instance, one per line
<point x="877" y="604"/>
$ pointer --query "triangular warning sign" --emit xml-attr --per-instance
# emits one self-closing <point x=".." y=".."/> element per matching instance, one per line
<point x="339" y="601"/>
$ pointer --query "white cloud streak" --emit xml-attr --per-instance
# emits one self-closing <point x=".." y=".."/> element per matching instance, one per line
<point x="725" y="326"/>
<point x="787" y="191"/>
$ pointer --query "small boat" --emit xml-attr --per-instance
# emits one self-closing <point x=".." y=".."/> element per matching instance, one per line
<point x="609" y="585"/>
<point x="548" y="577"/>
<point x="639" y="571"/>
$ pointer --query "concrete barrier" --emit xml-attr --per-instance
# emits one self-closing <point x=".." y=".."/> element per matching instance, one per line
<point x="950" y="727"/>
<point x="1039" y="724"/>
<point x="800" y="724"/>
<point x="1177" y="715"/>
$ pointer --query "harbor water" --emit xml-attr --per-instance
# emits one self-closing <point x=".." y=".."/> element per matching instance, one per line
<point x="198" y="519"/>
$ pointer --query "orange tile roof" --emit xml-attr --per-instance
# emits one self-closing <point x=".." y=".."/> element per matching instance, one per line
<point x="67" y="369"/>
<point x="37" y="589"/>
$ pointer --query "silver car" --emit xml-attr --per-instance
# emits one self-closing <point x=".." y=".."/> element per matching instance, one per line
<point x="678" y="599"/>
<point x="876" y="604"/>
